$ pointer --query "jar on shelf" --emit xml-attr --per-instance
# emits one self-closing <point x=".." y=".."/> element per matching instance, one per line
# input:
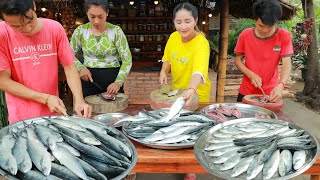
<point x="140" y="27"/>
<point x="130" y="26"/>
<point x="159" y="48"/>
<point x="135" y="26"/>
<point x="141" y="38"/>
<point x="146" y="37"/>
<point x="124" y="26"/>
<point x="154" y="37"/>
<point x="159" y="37"/>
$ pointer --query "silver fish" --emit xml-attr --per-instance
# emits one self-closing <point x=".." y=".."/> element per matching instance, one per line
<point x="242" y="166"/>
<point x="39" y="155"/>
<point x="285" y="164"/>
<point x="174" y="139"/>
<point x="298" y="159"/>
<point x="174" y="110"/>
<point x="68" y="160"/>
<point x="254" y="168"/>
<point x="271" y="166"/>
<point x="21" y="155"/>
<point x="230" y="163"/>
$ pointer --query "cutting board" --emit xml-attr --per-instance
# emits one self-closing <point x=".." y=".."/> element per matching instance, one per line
<point x="159" y="99"/>
<point x="100" y="105"/>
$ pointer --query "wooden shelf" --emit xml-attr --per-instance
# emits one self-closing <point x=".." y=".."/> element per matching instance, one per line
<point x="147" y="42"/>
<point x="140" y="18"/>
<point x="147" y="53"/>
<point x="148" y="31"/>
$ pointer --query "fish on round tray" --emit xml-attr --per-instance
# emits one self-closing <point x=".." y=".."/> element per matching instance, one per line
<point x="62" y="147"/>
<point x="173" y="128"/>
<point x="230" y="111"/>
<point x="256" y="149"/>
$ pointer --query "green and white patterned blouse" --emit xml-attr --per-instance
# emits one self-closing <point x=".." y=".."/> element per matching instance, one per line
<point x="104" y="51"/>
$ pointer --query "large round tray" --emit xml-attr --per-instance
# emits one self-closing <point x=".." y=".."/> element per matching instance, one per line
<point x="110" y="118"/>
<point x="247" y="110"/>
<point x="157" y="146"/>
<point x="124" y="139"/>
<point x="312" y="154"/>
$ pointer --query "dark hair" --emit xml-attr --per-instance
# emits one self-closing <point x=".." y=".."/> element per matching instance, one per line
<point x="103" y="3"/>
<point x="269" y="11"/>
<point x="188" y="7"/>
<point x="16" y="7"/>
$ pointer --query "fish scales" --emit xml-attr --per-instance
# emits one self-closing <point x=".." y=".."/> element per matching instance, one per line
<point x="92" y="151"/>
<point x="272" y="165"/>
<point x="21" y="155"/>
<point x="114" y="143"/>
<point x="91" y="171"/>
<point x="68" y="160"/>
<point x="39" y="155"/>
<point x="63" y="172"/>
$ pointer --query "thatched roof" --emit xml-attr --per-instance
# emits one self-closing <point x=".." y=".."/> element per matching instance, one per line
<point x="243" y="8"/>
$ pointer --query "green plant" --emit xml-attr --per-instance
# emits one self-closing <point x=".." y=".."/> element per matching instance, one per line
<point x="3" y="110"/>
<point x="241" y="24"/>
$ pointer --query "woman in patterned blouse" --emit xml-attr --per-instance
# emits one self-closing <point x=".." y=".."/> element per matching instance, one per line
<point x="103" y="46"/>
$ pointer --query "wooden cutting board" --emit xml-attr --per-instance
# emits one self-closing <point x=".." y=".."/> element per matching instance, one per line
<point x="100" y="105"/>
<point x="159" y="99"/>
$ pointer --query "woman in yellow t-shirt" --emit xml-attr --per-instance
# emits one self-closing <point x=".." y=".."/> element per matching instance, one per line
<point x="186" y="55"/>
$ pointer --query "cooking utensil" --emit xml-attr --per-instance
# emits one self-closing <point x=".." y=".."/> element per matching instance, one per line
<point x="96" y="85"/>
<point x="265" y="97"/>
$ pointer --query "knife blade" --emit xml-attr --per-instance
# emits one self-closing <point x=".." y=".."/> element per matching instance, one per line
<point x="96" y="85"/>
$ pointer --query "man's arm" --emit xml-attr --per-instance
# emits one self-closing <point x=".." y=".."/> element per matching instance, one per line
<point x="276" y="93"/>
<point x="74" y="83"/>
<point x="17" y="89"/>
<point x="255" y="79"/>
<point x="54" y="103"/>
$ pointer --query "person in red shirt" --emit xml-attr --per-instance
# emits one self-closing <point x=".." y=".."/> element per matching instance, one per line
<point x="262" y="48"/>
<point x="30" y="49"/>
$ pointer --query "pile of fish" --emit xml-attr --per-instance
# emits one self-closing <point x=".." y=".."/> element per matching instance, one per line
<point x="258" y="147"/>
<point x="167" y="126"/>
<point x="224" y="113"/>
<point x="64" y="148"/>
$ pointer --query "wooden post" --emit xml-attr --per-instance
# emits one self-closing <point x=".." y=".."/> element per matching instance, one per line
<point x="223" y="49"/>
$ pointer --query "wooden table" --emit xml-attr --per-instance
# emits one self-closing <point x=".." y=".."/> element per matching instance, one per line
<point x="183" y="160"/>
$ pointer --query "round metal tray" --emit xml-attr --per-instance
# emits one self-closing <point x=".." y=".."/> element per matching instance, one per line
<point x="110" y="118"/>
<point x="124" y="139"/>
<point x="247" y="110"/>
<point x="157" y="146"/>
<point x="201" y="156"/>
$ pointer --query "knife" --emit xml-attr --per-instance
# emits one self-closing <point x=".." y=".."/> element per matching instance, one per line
<point x="96" y="84"/>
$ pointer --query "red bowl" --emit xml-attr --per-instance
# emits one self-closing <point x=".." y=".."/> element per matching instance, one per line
<point x="254" y="99"/>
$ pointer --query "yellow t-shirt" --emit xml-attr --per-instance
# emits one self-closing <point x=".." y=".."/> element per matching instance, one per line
<point x="187" y="59"/>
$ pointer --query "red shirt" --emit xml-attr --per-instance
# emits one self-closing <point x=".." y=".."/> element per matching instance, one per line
<point x="262" y="56"/>
<point x="33" y="61"/>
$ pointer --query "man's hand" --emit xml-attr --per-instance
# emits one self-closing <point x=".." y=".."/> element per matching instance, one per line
<point x="55" y="104"/>
<point x="276" y="94"/>
<point x="83" y="109"/>
<point x="113" y="88"/>
<point x="255" y="80"/>
<point x="163" y="78"/>
<point x="85" y="74"/>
